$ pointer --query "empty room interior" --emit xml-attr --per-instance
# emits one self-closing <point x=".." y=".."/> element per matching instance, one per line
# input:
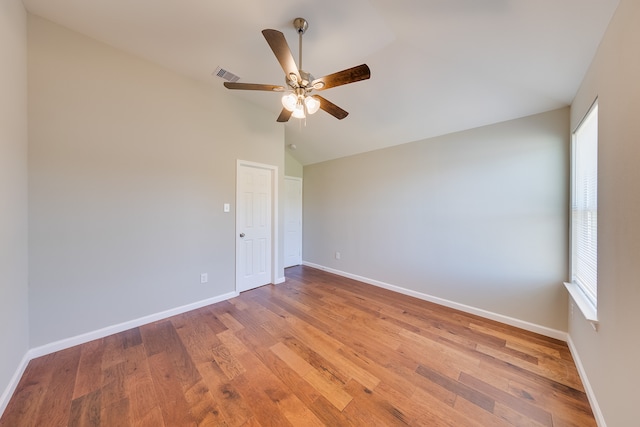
<point x="421" y="239"/>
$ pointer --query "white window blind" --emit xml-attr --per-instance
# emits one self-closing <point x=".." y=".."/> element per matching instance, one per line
<point x="584" y="206"/>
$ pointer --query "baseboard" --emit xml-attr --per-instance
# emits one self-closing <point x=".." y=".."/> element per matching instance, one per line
<point x="120" y="327"/>
<point x="100" y="333"/>
<point x="279" y="280"/>
<point x="532" y="327"/>
<point x="597" y="412"/>
<point x="11" y="387"/>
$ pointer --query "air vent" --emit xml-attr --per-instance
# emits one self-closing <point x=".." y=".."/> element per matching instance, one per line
<point x="226" y="75"/>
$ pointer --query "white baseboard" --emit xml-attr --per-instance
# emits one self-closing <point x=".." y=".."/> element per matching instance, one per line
<point x="597" y="412"/>
<point x="11" y="387"/>
<point x="543" y="330"/>
<point x="120" y="327"/>
<point x="279" y="280"/>
<point x="100" y="333"/>
<point x="522" y="324"/>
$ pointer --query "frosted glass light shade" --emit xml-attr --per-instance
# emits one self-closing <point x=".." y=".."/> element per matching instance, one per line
<point x="312" y="104"/>
<point x="289" y="101"/>
<point x="298" y="112"/>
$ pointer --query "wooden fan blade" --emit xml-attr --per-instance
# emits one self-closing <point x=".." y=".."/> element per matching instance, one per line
<point x="331" y="108"/>
<point x="350" y="75"/>
<point x="281" y="50"/>
<point x="253" y="86"/>
<point x="284" y="116"/>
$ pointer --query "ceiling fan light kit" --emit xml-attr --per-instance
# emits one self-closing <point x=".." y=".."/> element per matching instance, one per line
<point x="298" y="100"/>
<point x="311" y="104"/>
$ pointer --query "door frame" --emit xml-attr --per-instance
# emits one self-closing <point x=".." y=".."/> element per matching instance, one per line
<point x="274" y="218"/>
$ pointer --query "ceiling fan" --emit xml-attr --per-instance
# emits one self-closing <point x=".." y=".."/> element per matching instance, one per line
<point x="299" y="100"/>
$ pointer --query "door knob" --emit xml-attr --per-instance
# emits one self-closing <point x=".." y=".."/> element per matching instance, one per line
<point x="241" y="234"/>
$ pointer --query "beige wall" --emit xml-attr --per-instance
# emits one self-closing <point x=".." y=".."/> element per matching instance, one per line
<point x="477" y="217"/>
<point x="130" y="165"/>
<point x="13" y="192"/>
<point x="610" y="356"/>
<point x="292" y="167"/>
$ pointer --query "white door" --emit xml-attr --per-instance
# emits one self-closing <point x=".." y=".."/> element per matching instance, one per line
<point x="292" y="221"/>
<point x="253" y="226"/>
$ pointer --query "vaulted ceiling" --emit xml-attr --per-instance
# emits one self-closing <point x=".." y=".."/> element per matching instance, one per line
<point x="437" y="66"/>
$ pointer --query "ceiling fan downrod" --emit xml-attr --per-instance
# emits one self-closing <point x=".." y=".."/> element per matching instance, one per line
<point x="301" y="25"/>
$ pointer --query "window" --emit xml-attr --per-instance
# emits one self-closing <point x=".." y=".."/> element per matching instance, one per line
<point x="584" y="213"/>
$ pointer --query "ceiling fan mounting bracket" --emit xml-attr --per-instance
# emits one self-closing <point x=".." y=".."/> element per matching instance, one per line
<point x="301" y="25"/>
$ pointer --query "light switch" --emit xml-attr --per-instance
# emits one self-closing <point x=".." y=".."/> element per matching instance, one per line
<point x="226" y="207"/>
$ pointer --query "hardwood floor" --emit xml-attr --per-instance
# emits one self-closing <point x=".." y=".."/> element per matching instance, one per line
<point x="316" y="350"/>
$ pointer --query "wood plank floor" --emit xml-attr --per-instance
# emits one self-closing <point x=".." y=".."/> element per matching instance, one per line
<point x="316" y="350"/>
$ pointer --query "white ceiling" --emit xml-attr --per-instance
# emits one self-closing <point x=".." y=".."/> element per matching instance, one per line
<point x="437" y="66"/>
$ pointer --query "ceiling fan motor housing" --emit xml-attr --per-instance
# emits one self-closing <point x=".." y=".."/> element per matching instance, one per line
<point x="306" y="78"/>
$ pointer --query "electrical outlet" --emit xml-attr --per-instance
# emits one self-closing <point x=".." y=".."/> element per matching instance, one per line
<point x="204" y="278"/>
<point x="338" y="255"/>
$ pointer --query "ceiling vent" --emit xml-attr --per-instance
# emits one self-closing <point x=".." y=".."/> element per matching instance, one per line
<point x="226" y="75"/>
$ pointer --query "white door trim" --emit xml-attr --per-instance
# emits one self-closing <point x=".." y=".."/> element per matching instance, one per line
<point x="274" y="217"/>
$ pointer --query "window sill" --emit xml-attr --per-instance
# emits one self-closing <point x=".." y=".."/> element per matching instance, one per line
<point x="588" y="310"/>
